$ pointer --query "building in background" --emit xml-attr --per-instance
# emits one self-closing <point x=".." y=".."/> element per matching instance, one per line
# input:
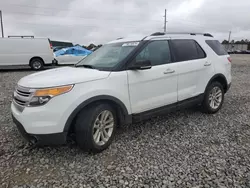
<point x="235" y="47"/>
<point x="241" y="45"/>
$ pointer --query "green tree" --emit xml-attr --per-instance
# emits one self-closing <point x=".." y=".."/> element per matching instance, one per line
<point x="242" y="41"/>
<point x="225" y="42"/>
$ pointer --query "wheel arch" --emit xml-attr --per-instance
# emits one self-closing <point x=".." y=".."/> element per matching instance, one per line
<point x="219" y="78"/>
<point x="122" y="112"/>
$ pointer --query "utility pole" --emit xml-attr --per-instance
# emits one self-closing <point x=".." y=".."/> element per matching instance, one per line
<point x="1" y="17"/>
<point x="229" y="38"/>
<point x="165" y="21"/>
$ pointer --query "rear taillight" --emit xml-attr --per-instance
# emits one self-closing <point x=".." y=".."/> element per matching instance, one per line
<point x="51" y="47"/>
<point x="229" y="59"/>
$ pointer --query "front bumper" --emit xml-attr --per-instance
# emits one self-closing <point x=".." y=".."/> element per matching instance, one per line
<point x="41" y="139"/>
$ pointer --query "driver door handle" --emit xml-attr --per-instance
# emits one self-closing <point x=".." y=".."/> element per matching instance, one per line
<point x="169" y="71"/>
<point x="207" y="64"/>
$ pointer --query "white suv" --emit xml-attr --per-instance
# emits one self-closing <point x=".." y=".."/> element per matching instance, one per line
<point x="125" y="81"/>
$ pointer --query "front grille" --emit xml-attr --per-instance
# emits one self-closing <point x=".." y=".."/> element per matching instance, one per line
<point x="21" y="97"/>
<point x="20" y="102"/>
<point x="22" y="93"/>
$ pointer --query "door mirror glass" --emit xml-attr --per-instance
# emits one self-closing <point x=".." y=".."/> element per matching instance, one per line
<point x="141" y="65"/>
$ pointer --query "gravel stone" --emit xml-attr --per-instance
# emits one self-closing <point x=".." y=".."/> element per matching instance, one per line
<point x="182" y="149"/>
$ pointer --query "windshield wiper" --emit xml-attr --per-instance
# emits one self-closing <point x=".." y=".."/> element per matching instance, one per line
<point x="85" y="66"/>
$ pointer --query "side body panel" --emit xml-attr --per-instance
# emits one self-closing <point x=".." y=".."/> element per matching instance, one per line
<point x="152" y="88"/>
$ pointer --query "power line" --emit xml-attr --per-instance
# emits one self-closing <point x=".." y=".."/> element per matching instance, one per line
<point x="79" y="17"/>
<point x="127" y="26"/>
<point x="38" y="14"/>
<point x="210" y="27"/>
<point x="94" y="18"/>
<point x="68" y="25"/>
<point x="84" y="18"/>
<point x="25" y="13"/>
<point x="194" y="25"/>
<point x="72" y="25"/>
<point x="75" y="10"/>
<point x="48" y="8"/>
<point x="198" y="23"/>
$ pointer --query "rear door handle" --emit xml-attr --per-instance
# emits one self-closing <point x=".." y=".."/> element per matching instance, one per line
<point x="207" y="64"/>
<point x="169" y="71"/>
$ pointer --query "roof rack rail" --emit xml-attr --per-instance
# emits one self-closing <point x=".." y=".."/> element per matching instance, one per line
<point x="158" y="34"/>
<point x="181" y="33"/>
<point x="16" y="36"/>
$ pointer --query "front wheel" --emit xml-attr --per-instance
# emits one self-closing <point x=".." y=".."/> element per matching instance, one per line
<point x="213" y="99"/>
<point x="95" y="127"/>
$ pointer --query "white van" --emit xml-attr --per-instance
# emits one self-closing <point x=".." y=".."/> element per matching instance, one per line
<point x="35" y="52"/>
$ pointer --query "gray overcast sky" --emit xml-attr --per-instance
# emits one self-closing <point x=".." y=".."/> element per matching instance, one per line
<point x="99" y="21"/>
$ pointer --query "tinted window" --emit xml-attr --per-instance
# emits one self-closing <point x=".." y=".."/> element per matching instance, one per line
<point x="217" y="47"/>
<point x="186" y="50"/>
<point x="201" y="53"/>
<point x="157" y="52"/>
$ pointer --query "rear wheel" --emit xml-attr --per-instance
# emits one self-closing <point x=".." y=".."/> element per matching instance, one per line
<point x="213" y="99"/>
<point x="95" y="127"/>
<point x="36" y="64"/>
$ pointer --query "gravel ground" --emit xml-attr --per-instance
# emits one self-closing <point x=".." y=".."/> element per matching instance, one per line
<point x="184" y="149"/>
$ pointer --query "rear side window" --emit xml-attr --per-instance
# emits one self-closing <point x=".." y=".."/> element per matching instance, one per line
<point x="186" y="49"/>
<point x="217" y="47"/>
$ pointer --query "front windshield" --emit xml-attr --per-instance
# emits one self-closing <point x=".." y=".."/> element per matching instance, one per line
<point x="109" y="55"/>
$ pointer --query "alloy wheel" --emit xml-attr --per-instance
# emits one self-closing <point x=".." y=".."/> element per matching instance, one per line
<point x="215" y="98"/>
<point x="103" y="127"/>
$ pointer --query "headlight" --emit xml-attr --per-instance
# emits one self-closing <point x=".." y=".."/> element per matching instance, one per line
<point x="42" y="96"/>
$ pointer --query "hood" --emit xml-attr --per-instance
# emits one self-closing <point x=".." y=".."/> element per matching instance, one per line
<point x="62" y="76"/>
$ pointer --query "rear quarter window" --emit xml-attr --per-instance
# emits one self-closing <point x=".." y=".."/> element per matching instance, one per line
<point x="217" y="47"/>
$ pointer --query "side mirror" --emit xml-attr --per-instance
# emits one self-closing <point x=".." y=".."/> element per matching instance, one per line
<point x="140" y="65"/>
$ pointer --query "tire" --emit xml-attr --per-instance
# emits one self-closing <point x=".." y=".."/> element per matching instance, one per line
<point x="212" y="91"/>
<point x="86" y="131"/>
<point x="36" y="64"/>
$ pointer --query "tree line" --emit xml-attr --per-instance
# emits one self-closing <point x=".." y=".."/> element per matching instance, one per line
<point x="246" y="41"/>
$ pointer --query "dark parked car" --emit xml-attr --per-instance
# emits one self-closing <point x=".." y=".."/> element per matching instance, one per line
<point x="238" y="52"/>
<point x="246" y="52"/>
